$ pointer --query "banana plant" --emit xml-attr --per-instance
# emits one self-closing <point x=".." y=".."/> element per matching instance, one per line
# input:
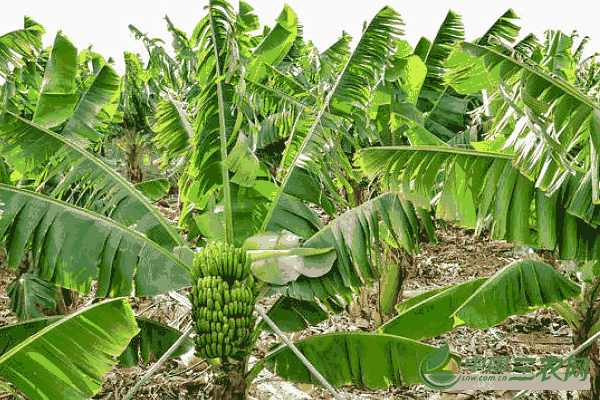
<point x="294" y="288"/>
<point x="111" y="233"/>
<point x="142" y="259"/>
<point x="535" y="173"/>
<point x="413" y="105"/>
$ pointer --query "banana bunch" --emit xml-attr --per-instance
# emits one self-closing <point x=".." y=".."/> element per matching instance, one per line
<point x="223" y="297"/>
<point x="221" y="259"/>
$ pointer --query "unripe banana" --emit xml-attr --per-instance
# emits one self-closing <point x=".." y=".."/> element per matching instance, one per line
<point x="250" y="281"/>
<point x="226" y="298"/>
<point x="204" y="296"/>
<point x="247" y="267"/>
<point x="216" y="256"/>
<point x="219" y="350"/>
<point x="241" y="256"/>
<point x="234" y="260"/>
<point x="217" y="296"/>
<point x="213" y="348"/>
<point x="228" y="260"/>
<point x="211" y="266"/>
<point x="247" y="295"/>
<point x="199" y="263"/>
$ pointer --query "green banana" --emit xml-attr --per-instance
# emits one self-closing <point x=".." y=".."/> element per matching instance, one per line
<point x="250" y="281"/>
<point x="230" y="253"/>
<point x="247" y="267"/>
<point x="234" y="261"/>
<point x="226" y="298"/>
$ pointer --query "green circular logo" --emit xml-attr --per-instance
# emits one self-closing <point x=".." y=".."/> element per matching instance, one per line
<point x="434" y="361"/>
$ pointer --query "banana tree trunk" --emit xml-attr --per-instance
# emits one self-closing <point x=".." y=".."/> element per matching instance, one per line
<point x="588" y="312"/>
<point x="230" y="381"/>
<point x="396" y="265"/>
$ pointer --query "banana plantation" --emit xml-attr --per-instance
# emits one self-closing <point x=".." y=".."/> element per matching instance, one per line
<point x="241" y="210"/>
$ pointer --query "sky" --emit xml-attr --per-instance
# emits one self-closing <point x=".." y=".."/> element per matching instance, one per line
<point x="105" y="24"/>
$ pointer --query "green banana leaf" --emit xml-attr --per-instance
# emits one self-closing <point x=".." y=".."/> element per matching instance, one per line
<point x="520" y="211"/>
<point x="91" y="246"/>
<point x="275" y="45"/>
<point x="517" y="289"/>
<point x="27" y="144"/>
<point x="152" y="341"/>
<point x="92" y="338"/>
<point x="21" y="42"/>
<point x="28" y="294"/>
<point x="293" y="315"/>
<point x="155" y="189"/>
<point x="350" y="235"/>
<point x="368" y="360"/>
